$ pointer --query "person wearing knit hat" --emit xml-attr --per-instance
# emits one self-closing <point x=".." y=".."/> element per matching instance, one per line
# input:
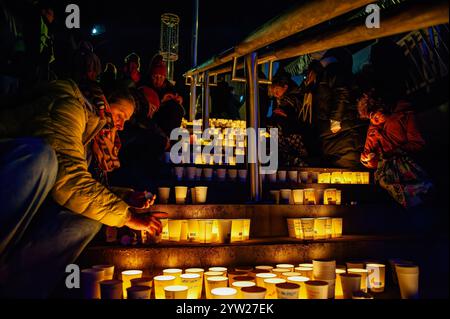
<point x="132" y="68"/>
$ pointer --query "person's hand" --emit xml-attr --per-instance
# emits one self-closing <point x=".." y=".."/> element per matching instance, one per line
<point x="366" y="158"/>
<point x="335" y="126"/>
<point x="140" y="200"/>
<point x="148" y="222"/>
<point x="279" y="112"/>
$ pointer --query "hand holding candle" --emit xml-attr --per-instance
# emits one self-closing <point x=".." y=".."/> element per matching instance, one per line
<point x="148" y="222"/>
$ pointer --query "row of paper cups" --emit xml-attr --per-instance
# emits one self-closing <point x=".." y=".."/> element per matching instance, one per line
<point x="344" y="178"/>
<point x="315" y="228"/>
<point x="198" y="194"/>
<point x="192" y="173"/>
<point x="308" y="196"/>
<point x="207" y="231"/>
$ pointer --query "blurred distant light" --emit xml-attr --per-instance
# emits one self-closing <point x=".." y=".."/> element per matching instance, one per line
<point x="97" y="30"/>
<point x="94" y="31"/>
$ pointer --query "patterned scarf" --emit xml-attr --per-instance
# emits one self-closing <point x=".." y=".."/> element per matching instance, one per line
<point x="106" y="144"/>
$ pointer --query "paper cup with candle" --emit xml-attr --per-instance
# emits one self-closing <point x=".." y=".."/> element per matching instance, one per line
<point x="303" y="177"/>
<point x="215" y="282"/>
<point x="324" y="269"/>
<point x="233" y="274"/>
<point x="90" y="282"/>
<point x="179" y="173"/>
<point x="336" y="178"/>
<point x="208" y="174"/>
<point x="364" y="277"/>
<point x="173" y="272"/>
<point x="288" y="290"/>
<point x="127" y="275"/>
<point x="224" y="293"/>
<point x="309" y="196"/>
<point x="109" y="271"/>
<point x="232" y="174"/>
<point x="237" y="228"/>
<point x="243" y="175"/>
<point x="304" y="271"/>
<point x="194" y="284"/>
<point x="201" y="194"/>
<point x="254" y="292"/>
<point x="163" y="195"/>
<point x="143" y="281"/>
<point x="192" y="230"/>
<point x="307" y="228"/>
<point x="176" y="292"/>
<point x="285" y="196"/>
<point x="316" y="289"/>
<point x="324" y="178"/>
<point x="338" y="290"/>
<point x="138" y="292"/>
<point x="282" y="176"/>
<point x="191" y="173"/>
<point x="377" y="277"/>
<point x="273" y="178"/>
<point x="174" y="230"/>
<point x="180" y="194"/>
<point x="286" y="267"/>
<point x="336" y="226"/>
<point x="270" y="285"/>
<point x="329" y="197"/>
<point x="350" y="284"/>
<point x="293" y="176"/>
<point x="111" y="289"/>
<point x="298" y="196"/>
<point x="160" y="282"/>
<point x="301" y="281"/>
<point x="408" y="280"/>
<point x="205" y="227"/>
<point x="320" y="231"/>
<point x="221" y="174"/>
<point x="275" y="196"/>
<point x="263" y="276"/>
<point x="238" y="285"/>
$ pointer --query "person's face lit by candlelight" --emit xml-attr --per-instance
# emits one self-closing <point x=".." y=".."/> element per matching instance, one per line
<point x="121" y="111"/>
<point x="278" y="91"/>
<point x="158" y="80"/>
<point x="377" y="118"/>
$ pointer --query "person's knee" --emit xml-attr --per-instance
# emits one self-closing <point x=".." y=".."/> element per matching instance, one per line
<point x="44" y="158"/>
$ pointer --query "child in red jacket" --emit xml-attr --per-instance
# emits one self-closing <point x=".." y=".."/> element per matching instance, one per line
<point x="391" y="138"/>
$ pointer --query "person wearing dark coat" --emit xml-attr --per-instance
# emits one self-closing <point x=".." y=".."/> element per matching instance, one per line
<point x="329" y="95"/>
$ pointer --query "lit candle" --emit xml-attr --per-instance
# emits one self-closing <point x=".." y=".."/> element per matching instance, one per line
<point x="160" y="282"/>
<point x="127" y="275"/>
<point x="194" y="284"/>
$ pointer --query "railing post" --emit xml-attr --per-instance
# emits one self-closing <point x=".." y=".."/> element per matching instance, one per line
<point x="205" y="98"/>
<point x="193" y="98"/>
<point x="251" y="68"/>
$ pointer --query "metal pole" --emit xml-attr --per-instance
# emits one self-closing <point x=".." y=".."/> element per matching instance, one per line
<point x="193" y="98"/>
<point x="193" y="108"/>
<point x="251" y="68"/>
<point x="205" y="104"/>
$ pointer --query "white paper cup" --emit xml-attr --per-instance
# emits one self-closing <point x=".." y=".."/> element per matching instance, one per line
<point x="198" y="173"/>
<point x="263" y="276"/>
<point x="238" y="285"/>
<point x="111" y="289"/>
<point x="303" y="177"/>
<point x="330" y="196"/>
<point x="174" y="230"/>
<point x="270" y="285"/>
<point x="180" y="194"/>
<point x="160" y="282"/>
<point x="301" y="281"/>
<point x="254" y="292"/>
<point x="201" y="194"/>
<point x="139" y="292"/>
<point x="324" y="269"/>
<point x="232" y="174"/>
<point x="175" y="272"/>
<point x="224" y="231"/>
<point x="336" y="227"/>
<point x="193" y="230"/>
<point x="163" y="195"/>
<point x="223" y="270"/>
<point x="377" y="277"/>
<point x="233" y="274"/>
<point x="224" y="293"/>
<point x="273" y="178"/>
<point x="109" y="271"/>
<point x="320" y="228"/>
<point x="314" y="177"/>
<point x="309" y="196"/>
<point x="336" y="178"/>
<point x="205" y="234"/>
<point x="179" y="173"/>
<point x="208" y="174"/>
<point x="279" y="272"/>
<point x="286" y="195"/>
<point x="221" y="174"/>
<point x="288" y="274"/>
<point x="288" y="290"/>
<point x="338" y="289"/>
<point x="286" y="267"/>
<point x="316" y="289"/>
<point x="176" y="292"/>
<point x="307" y="228"/>
<point x="282" y="176"/>
<point x="243" y="175"/>
<point x="127" y="275"/>
<point x="213" y="283"/>
<point x="408" y="280"/>
<point x="293" y="176"/>
<point x="298" y="196"/>
<point x="264" y="267"/>
<point x="324" y="178"/>
<point x="191" y="173"/>
<point x="275" y="196"/>
<point x="364" y="277"/>
<point x="350" y="284"/>
<point x="194" y="283"/>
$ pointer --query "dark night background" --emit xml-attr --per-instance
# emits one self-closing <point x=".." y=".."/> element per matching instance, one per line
<point x="134" y="26"/>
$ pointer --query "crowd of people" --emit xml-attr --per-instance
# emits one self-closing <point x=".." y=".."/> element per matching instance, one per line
<point x="65" y="141"/>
